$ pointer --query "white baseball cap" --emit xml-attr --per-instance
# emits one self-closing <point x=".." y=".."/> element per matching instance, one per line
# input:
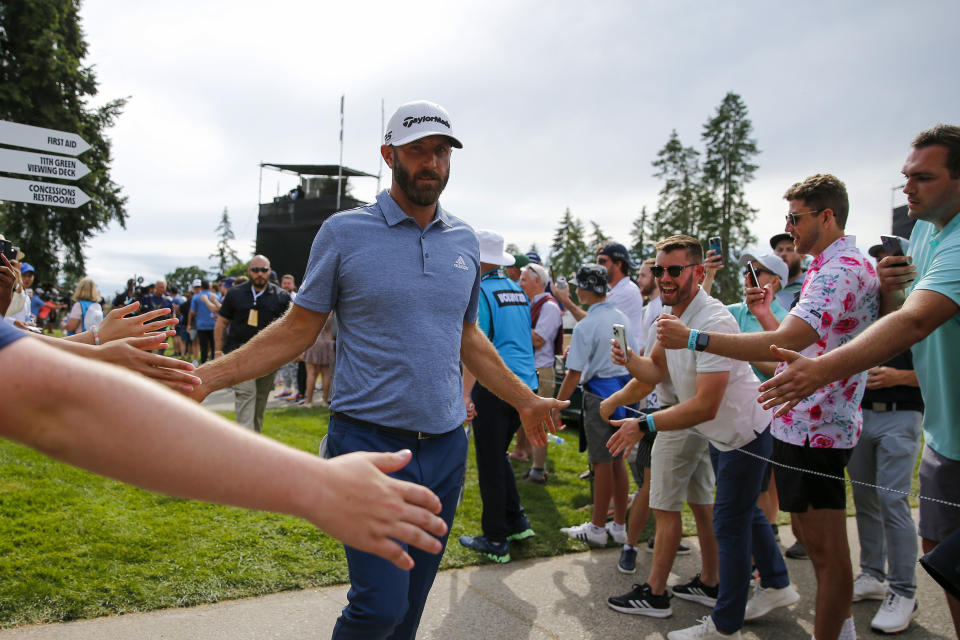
<point x="773" y="264"/>
<point x="419" y="119"/>
<point x="491" y="249"/>
<point x="196" y="283"/>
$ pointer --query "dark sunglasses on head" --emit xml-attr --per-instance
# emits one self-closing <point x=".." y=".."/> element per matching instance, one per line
<point x="674" y="270"/>
<point x="260" y="269"/>
<point x="792" y="217"/>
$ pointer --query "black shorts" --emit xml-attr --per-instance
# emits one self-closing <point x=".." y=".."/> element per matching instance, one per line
<point x="799" y="491"/>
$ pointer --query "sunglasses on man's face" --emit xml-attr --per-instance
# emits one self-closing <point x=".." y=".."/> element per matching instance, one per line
<point x="674" y="270"/>
<point x="792" y="217"/>
<point x="746" y="272"/>
<point x="259" y="269"/>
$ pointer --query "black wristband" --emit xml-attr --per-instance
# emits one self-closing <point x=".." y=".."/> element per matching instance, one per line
<point x="702" y="341"/>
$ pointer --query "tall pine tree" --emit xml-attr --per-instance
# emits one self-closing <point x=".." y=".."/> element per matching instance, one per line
<point x="597" y="237"/>
<point x="43" y="82"/>
<point x="641" y="240"/>
<point x="225" y="254"/>
<point x="727" y="167"/>
<point x="569" y="250"/>
<point x="681" y="197"/>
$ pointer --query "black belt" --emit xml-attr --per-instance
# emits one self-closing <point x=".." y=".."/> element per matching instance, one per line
<point x="881" y="407"/>
<point x="394" y="431"/>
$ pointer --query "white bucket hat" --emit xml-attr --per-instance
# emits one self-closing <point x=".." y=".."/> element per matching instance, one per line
<point x="491" y="249"/>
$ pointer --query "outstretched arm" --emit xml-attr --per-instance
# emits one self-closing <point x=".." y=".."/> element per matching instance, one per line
<point x="793" y="333"/>
<point x="483" y="361"/>
<point x="179" y="448"/>
<point x="269" y="350"/>
<point x="922" y="312"/>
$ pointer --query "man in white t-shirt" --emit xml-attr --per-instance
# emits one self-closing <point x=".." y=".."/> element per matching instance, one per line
<point x="716" y="399"/>
<point x="624" y="294"/>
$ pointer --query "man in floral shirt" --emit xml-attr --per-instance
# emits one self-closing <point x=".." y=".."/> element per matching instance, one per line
<point x="839" y="299"/>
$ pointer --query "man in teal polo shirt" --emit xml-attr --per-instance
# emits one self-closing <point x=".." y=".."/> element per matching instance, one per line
<point x="928" y="319"/>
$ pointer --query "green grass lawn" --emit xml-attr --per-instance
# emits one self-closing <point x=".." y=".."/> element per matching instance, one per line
<point x="75" y="545"/>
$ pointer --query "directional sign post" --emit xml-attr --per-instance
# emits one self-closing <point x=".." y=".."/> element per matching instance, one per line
<point x="46" y="193"/>
<point x="25" y="135"/>
<point x="42" y="164"/>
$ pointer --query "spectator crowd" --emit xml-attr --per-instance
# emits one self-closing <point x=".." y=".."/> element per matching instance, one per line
<point x="850" y="359"/>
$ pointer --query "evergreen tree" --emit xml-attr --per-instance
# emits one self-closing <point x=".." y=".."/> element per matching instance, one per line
<point x="598" y="239"/>
<point x="569" y="250"/>
<point x="534" y="249"/>
<point x="182" y="277"/>
<point x="681" y="197"/>
<point x="44" y="83"/>
<point x="225" y="254"/>
<point x="727" y="167"/>
<point x="642" y="239"/>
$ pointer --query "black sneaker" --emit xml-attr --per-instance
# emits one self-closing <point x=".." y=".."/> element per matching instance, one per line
<point x="696" y="591"/>
<point x="642" y="603"/>
<point x="521" y="530"/>
<point x="682" y="549"/>
<point x="496" y="551"/>
<point x="628" y="560"/>
<point x="797" y="552"/>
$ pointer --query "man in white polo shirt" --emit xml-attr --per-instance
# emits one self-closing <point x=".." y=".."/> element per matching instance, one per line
<point x="716" y="399"/>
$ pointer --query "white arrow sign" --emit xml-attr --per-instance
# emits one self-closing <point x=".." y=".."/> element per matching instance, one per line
<point x="41" y="164"/>
<point x="46" y="193"/>
<point x="24" y="135"/>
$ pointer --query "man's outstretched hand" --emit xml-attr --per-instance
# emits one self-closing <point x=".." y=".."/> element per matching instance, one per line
<point x="537" y="418"/>
<point x="799" y="379"/>
<point x="368" y="510"/>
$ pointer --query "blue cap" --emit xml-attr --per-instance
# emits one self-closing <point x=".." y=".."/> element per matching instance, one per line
<point x="228" y="282"/>
<point x="534" y="257"/>
<point x="26" y="267"/>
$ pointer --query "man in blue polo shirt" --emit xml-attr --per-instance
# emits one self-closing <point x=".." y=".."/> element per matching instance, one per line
<point x="400" y="342"/>
<point x="504" y="317"/>
<point x="928" y="319"/>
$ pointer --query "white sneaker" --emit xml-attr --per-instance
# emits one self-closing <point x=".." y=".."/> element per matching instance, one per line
<point x="587" y="532"/>
<point x="866" y="587"/>
<point x="766" y="600"/>
<point x="619" y="534"/>
<point x="895" y="614"/>
<point x="701" y="631"/>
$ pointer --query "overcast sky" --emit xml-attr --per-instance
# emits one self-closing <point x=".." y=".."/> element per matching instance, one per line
<point x="559" y="104"/>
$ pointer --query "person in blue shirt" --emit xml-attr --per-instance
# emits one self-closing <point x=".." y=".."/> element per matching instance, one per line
<point x="588" y="364"/>
<point x="203" y="318"/>
<point x="504" y="317"/>
<point x="921" y="311"/>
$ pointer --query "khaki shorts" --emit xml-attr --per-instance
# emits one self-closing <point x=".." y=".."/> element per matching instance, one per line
<point x="680" y="469"/>
<point x="547" y="378"/>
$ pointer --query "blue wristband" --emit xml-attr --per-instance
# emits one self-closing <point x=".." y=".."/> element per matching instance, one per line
<point x="652" y="428"/>
<point x="692" y="340"/>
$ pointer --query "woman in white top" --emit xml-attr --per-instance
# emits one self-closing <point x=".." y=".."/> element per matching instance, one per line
<point x="86" y="311"/>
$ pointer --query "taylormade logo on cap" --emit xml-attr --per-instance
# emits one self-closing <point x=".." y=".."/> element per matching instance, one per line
<point x="409" y="121"/>
<point x="415" y="120"/>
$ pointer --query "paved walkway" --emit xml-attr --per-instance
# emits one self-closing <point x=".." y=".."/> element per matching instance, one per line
<point x="556" y="598"/>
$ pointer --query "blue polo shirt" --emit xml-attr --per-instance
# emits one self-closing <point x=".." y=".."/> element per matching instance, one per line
<point x="504" y="316"/>
<point x="402" y="295"/>
<point x="936" y="255"/>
